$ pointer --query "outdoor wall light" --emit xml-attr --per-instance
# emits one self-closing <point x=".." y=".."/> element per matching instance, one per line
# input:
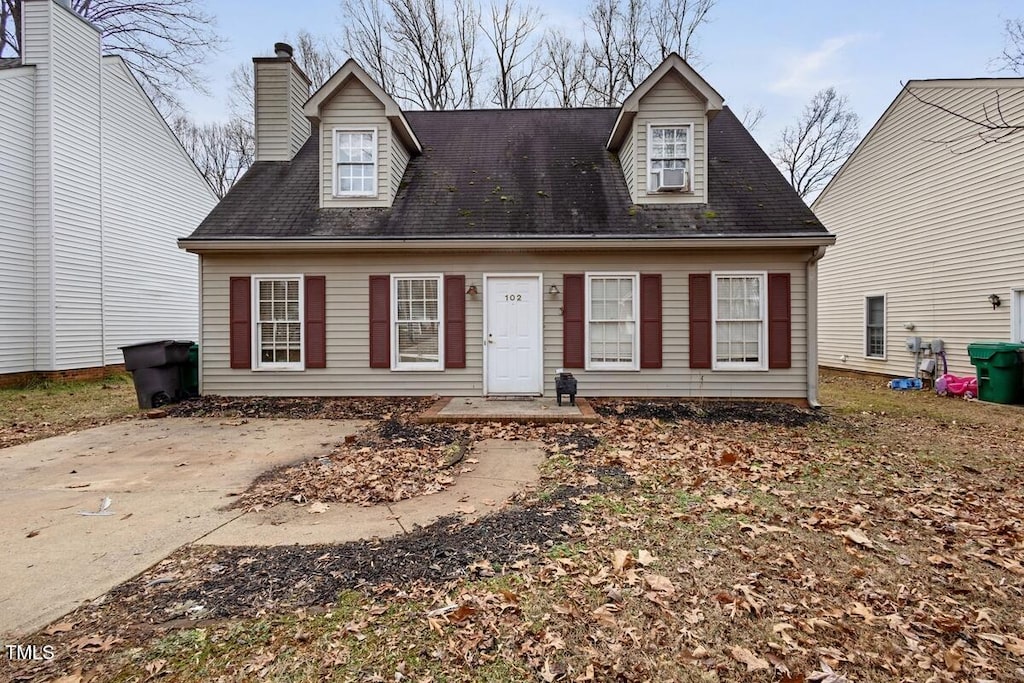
<point x="472" y="291"/>
<point x="994" y="300"/>
<point x="553" y="290"/>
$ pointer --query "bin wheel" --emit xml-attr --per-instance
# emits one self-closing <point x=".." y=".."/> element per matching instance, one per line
<point x="160" y="398"/>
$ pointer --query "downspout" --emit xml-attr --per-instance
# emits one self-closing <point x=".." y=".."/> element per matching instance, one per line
<point x="812" y="327"/>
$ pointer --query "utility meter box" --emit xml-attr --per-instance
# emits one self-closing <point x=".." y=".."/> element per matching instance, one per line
<point x="938" y="346"/>
<point x="914" y="344"/>
<point x="928" y="366"/>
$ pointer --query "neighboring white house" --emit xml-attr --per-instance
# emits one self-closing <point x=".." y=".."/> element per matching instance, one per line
<point x="94" y="190"/>
<point x="928" y="213"/>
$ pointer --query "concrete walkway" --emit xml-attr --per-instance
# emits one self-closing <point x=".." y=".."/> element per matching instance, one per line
<point x="168" y="480"/>
<point x="503" y="468"/>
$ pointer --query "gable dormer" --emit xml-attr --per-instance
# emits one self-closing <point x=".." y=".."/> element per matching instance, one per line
<point x="660" y="135"/>
<point x="365" y="140"/>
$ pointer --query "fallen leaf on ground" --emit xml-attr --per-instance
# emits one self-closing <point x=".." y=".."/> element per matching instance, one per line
<point x="745" y="656"/>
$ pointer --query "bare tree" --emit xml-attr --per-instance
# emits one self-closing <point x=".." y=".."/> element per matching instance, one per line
<point x="752" y="117"/>
<point x="367" y="39"/>
<point x="564" y="64"/>
<point x="163" y="41"/>
<point x="467" y="25"/>
<point x="673" y="26"/>
<point x="318" y="56"/>
<point x="425" y="61"/>
<point x="604" y="77"/>
<point x="221" y="151"/>
<point x="812" y="150"/>
<point x="510" y="32"/>
<point x="1012" y="58"/>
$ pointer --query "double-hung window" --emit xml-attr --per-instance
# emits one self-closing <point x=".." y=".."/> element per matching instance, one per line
<point x="739" y="311"/>
<point x="874" y="326"/>
<point x="278" y="330"/>
<point x="355" y="162"/>
<point x="668" y="148"/>
<point x="417" y="332"/>
<point x="612" y="332"/>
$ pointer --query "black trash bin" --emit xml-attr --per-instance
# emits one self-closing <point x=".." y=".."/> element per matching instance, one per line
<point x="157" y="369"/>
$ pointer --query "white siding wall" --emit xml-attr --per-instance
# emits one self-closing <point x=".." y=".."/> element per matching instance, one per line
<point x="152" y="195"/>
<point x="348" y="371"/>
<point x="36" y="50"/>
<point x="356" y="107"/>
<point x="935" y="227"/>
<point x="17" y="285"/>
<point x="670" y="101"/>
<point x="76" y="191"/>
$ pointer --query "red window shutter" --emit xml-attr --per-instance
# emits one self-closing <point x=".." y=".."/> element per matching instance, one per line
<point x="573" y="313"/>
<point x="455" y="321"/>
<point x="700" y="320"/>
<point x="380" y="321"/>
<point x="316" y="321"/>
<point x="650" y="320"/>
<point x="780" y="340"/>
<point x="240" y="312"/>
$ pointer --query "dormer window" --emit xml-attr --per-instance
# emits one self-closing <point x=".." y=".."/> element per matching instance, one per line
<point x="670" y="149"/>
<point x="355" y="163"/>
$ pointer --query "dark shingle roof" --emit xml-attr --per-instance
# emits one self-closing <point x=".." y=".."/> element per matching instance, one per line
<point x="518" y="173"/>
<point x="9" y="62"/>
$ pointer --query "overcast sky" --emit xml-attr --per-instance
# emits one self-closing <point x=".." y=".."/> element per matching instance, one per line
<point x="773" y="54"/>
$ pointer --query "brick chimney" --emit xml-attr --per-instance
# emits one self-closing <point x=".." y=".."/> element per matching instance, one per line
<point x="281" y="90"/>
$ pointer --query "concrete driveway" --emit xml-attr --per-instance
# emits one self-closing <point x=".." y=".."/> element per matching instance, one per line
<point x="168" y="480"/>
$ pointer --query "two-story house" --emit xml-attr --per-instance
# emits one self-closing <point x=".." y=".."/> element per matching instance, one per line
<point x="652" y="249"/>
<point x="94" y="191"/>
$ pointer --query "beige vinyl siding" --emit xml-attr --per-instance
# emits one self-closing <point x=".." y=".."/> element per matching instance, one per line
<point x="627" y="160"/>
<point x="348" y="371"/>
<point x="354" y="106"/>
<point x="935" y="227"/>
<point x="76" y="169"/>
<point x="399" y="160"/>
<point x="300" y="127"/>
<point x="671" y="101"/>
<point x="281" y="127"/>
<point x="17" y="286"/>
<point x="152" y="195"/>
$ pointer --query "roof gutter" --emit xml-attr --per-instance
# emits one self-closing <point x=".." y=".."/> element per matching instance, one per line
<point x="582" y="243"/>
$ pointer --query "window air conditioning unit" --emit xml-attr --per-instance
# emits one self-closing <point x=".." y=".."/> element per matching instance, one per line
<point x="672" y="180"/>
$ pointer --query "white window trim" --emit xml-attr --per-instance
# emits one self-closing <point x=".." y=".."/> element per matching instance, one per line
<point x="762" y="364"/>
<point x="635" y="365"/>
<point x="651" y="125"/>
<point x="885" y="326"/>
<point x="334" y="161"/>
<point x="258" y="366"/>
<point x="417" y="367"/>
<point x="1016" y="313"/>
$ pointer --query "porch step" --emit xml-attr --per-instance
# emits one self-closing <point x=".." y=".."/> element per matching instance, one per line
<point x="533" y="410"/>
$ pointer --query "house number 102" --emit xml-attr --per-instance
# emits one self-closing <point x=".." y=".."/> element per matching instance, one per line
<point x="513" y="297"/>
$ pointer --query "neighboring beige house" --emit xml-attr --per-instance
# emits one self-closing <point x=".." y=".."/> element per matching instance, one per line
<point x="651" y="249"/>
<point x="929" y="217"/>
<point x="94" y="191"/>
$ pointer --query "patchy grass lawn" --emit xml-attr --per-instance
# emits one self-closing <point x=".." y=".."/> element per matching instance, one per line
<point x="52" y="408"/>
<point x="884" y="543"/>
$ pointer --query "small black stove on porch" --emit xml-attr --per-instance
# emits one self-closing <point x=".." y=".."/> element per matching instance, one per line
<point x="565" y="383"/>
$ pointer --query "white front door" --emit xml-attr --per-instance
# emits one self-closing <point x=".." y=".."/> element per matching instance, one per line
<point x="512" y="334"/>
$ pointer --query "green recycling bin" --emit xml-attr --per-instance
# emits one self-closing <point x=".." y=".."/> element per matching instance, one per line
<point x="1000" y="378"/>
<point x="190" y="372"/>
